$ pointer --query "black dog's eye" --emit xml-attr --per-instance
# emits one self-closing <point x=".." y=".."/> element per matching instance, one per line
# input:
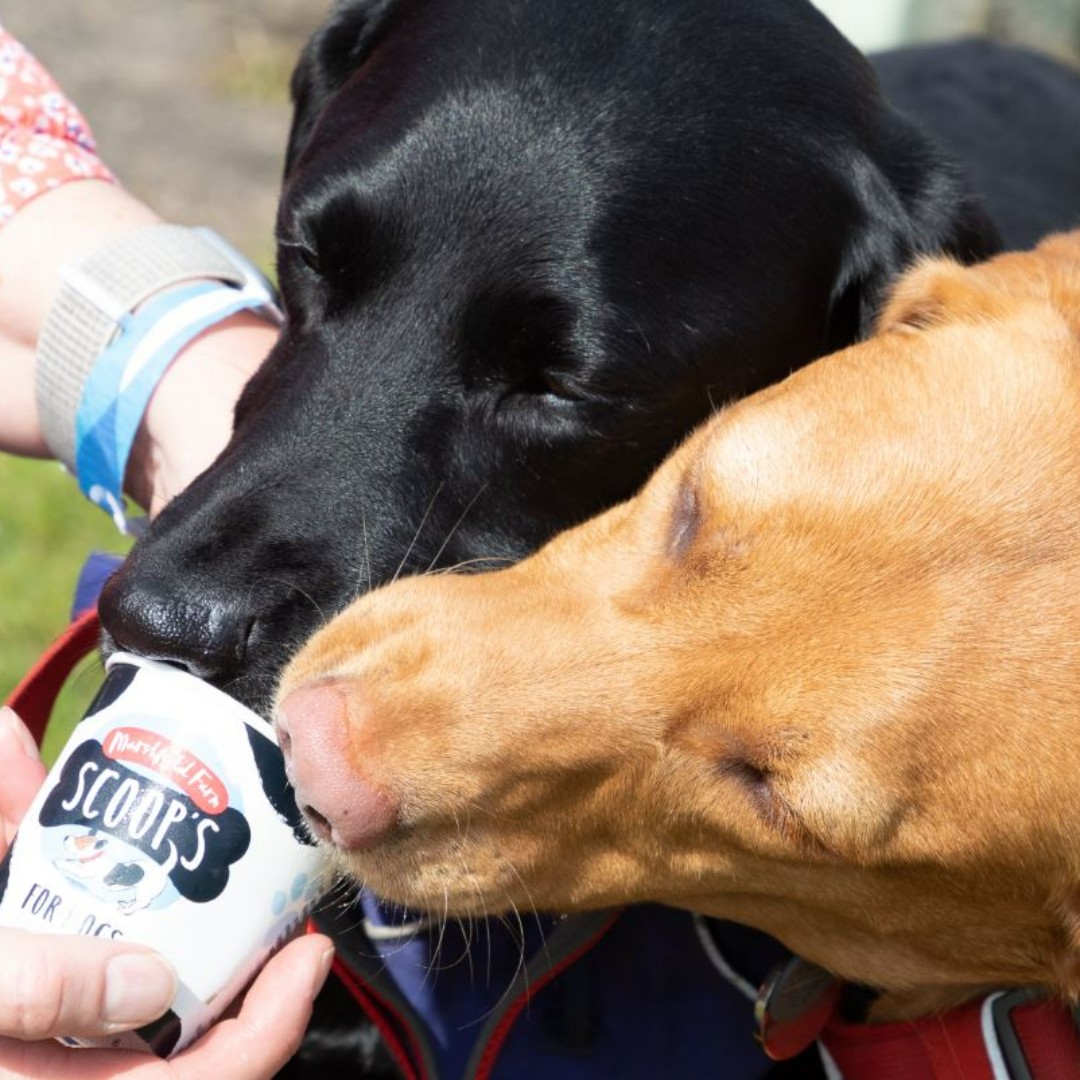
<point x="308" y="255"/>
<point x="311" y="259"/>
<point x="521" y="345"/>
<point x="546" y="384"/>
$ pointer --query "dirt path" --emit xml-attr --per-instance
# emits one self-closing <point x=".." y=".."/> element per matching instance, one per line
<point x="188" y="100"/>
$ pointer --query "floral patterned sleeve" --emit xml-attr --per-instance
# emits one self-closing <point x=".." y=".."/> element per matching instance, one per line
<point x="44" y="140"/>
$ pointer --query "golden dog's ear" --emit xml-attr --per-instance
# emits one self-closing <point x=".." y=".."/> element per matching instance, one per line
<point x="1063" y="248"/>
<point x="1061" y="253"/>
<point x="935" y="292"/>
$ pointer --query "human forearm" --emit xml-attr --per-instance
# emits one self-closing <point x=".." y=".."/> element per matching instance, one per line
<point x="57" y="228"/>
<point x="190" y="415"/>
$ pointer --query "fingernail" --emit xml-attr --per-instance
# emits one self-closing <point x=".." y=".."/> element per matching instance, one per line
<point x="324" y="969"/>
<point x="10" y="722"/>
<point x="139" y="987"/>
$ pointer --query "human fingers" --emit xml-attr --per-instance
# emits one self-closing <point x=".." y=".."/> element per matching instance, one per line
<point x="52" y="984"/>
<point x="48" y="1060"/>
<point x="252" y="1046"/>
<point x="275" y="1012"/>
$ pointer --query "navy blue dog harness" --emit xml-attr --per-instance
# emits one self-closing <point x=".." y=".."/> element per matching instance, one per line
<point x="637" y="994"/>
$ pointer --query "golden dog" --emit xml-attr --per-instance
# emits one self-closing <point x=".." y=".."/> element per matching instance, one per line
<point x="821" y="676"/>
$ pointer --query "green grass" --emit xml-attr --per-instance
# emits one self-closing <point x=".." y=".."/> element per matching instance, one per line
<point x="254" y="67"/>
<point x="46" y="531"/>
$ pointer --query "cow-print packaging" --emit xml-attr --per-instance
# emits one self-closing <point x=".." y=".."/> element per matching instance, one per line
<point x="167" y="820"/>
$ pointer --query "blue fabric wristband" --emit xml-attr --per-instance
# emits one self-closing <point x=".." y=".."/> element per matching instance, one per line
<point x="121" y="382"/>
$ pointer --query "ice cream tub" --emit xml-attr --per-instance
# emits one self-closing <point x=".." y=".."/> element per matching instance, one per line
<point x="167" y="820"/>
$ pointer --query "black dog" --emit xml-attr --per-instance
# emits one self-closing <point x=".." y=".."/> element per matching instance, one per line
<point x="1012" y="115"/>
<point x="525" y="246"/>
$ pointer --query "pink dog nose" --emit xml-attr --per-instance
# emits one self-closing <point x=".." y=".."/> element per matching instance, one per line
<point x="339" y="803"/>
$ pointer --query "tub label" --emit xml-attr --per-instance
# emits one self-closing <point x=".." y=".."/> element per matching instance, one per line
<point x="125" y="837"/>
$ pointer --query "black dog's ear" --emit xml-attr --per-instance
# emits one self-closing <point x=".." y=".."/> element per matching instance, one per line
<point x="330" y="56"/>
<point x="914" y="201"/>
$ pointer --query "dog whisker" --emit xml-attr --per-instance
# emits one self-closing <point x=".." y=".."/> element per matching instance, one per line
<point x="327" y="873"/>
<point x="954" y="1053"/>
<point x="533" y="909"/>
<point x="419" y="530"/>
<point x="468" y="928"/>
<point x="463" y="838"/>
<point x="449" y="536"/>
<point x="87" y="673"/>
<point x="435" y="963"/>
<point x="494" y="560"/>
<point x="367" y="548"/>
<point x="291" y="585"/>
<point x="516" y="930"/>
<point x="487" y="928"/>
<point x="522" y="964"/>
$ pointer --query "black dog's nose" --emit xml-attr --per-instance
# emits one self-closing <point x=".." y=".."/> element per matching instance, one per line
<point x="209" y="636"/>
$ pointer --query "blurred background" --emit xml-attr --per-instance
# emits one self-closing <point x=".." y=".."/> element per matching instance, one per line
<point x="189" y="103"/>
<point x="1050" y="25"/>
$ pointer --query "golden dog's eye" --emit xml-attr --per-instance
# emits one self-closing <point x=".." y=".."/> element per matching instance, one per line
<point x="753" y="778"/>
<point x="685" y="517"/>
<point x="771" y="808"/>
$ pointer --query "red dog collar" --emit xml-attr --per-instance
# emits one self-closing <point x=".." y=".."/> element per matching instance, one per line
<point x="1018" y="1035"/>
<point x="1010" y="1035"/>
<point x="34" y="697"/>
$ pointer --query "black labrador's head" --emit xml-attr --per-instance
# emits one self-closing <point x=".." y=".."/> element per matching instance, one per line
<point x="524" y="247"/>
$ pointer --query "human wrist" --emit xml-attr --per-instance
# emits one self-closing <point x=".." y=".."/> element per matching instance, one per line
<point x="121" y="319"/>
<point x="189" y="417"/>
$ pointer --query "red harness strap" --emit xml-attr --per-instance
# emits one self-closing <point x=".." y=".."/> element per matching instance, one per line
<point x="378" y="1012"/>
<point x="34" y="697"/>
<point x="1003" y="1037"/>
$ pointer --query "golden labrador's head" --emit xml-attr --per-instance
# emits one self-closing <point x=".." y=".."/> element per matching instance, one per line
<point x="821" y="676"/>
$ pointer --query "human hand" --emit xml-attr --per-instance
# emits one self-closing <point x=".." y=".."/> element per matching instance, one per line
<point x="53" y="985"/>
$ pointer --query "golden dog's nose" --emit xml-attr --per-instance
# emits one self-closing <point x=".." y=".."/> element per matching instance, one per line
<point x="341" y="806"/>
